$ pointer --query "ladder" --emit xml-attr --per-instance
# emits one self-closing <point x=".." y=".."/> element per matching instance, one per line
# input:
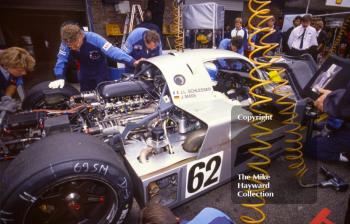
<point x="130" y="18"/>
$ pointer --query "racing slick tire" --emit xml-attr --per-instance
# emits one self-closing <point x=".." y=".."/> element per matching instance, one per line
<point x="66" y="178"/>
<point x="41" y="96"/>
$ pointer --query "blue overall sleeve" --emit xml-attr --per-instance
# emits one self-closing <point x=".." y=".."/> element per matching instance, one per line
<point x="210" y="216"/>
<point x="337" y="104"/>
<point x="223" y="45"/>
<point x="135" y="36"/>
<point x="109" y="50"/>
<point x="62" y="60"/>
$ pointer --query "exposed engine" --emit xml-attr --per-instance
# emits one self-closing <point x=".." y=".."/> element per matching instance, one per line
<point x="134" y="109"/>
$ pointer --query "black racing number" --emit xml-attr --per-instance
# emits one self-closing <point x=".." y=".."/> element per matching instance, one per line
<point x="192" y="176"/>
<point x="196" y="172"/>
<point x="216" y="160"/>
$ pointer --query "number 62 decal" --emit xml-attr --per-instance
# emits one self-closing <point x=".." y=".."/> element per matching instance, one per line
<point x="203" y="173"/>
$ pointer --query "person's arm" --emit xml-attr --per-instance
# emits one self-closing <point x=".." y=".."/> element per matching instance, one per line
<point x="314" y="39"/>
<point x="221" y="45"/>
<point x="109" y="50"/>
<point x="336" y="104"/>
<point x="62" y="60"/>
<point x="291" y="38"/>
<point x="10" y="90"/>
<point x="128" y="46"/>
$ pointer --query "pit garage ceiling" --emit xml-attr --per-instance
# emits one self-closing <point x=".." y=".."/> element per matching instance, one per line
<point x="232" y="5"/>
<point x="61" y="5"/>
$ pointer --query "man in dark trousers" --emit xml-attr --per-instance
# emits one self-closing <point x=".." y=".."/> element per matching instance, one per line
<point x="157" y="8"/>
<point x="147" y="22"/>
<point x="91" y="50"/>
<point x="321" y="36"/>
<point x="336" y="145"/>
<point x="303" y="39"/>
<point x="296" y="23"/>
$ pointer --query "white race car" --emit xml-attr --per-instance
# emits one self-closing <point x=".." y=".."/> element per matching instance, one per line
<point x="168" y="133"/>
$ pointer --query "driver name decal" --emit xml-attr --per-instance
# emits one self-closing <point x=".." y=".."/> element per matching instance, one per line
<point x="190" y="93"/>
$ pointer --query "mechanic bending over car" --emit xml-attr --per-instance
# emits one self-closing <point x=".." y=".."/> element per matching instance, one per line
<point x="91" y="50"/>
<point x="154" y="213"/>
<point x="234" y="44"/>
<point x="142" y="43"/>
<point x="15" y="62"/>
<point x="335" y="144"/>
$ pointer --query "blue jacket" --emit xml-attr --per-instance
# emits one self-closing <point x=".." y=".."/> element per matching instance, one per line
<point x="92" y="57"/>
<point x="135" y="46"/>
<point x="6" y="79"/>
<point x="337" y="104"/>
<point x="226" y="45"/>
<point x="210" y="216"/>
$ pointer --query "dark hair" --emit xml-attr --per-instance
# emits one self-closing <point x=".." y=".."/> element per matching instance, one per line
<point x="306" y="18"/>
<point x="237" y="41"/>
<point x="154" y="213"/>
<point x="152" y="36"/>
<point x="297" y="17"/>
<point x="147" y="15"/>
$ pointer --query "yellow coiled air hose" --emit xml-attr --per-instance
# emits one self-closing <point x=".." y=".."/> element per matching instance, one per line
<point x="178" y="27"/>
<point x="259" y="12"/>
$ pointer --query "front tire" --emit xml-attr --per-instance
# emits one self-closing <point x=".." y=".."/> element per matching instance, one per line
<point x="66" y="178"/>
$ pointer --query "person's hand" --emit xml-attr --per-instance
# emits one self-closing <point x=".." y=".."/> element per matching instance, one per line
<point x="8" y="104"/>
<point x="138" y="61"/>
<point x="319" y="102"/>
<point x="59" y="83"/>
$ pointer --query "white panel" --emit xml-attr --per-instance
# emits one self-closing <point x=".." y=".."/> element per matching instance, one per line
<point x="340" y="3"/>
<point x="228" y="4"/>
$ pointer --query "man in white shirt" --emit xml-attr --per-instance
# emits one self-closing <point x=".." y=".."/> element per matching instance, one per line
<point x="240" y="31"/>
<point x="303" y="38"/>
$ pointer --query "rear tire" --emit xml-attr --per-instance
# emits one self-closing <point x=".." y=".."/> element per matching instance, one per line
<point x="68" y="177"/>
<point x="41" y="96"/>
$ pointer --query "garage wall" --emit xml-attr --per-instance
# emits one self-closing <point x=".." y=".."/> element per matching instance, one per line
<point x="233" y="5"/>
<point x="65" y="5"/>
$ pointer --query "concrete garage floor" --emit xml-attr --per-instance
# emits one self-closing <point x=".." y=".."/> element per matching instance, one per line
<point x="221" y="197"/>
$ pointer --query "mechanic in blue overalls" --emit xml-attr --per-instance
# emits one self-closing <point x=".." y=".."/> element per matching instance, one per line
<point x="234" y="44"/>
<point x="142" y="43"/>
<point x="15" y="62"/>
<point x="91" y="50"/>
<point x="335" y="145"/>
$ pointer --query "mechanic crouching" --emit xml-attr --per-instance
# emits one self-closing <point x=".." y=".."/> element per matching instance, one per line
<point x="91" y="50"/>
<point x="142" y="43"/>
<point x="15" y="62"/>
<point x="234" y="44"/>
<point x="335" y="145"/>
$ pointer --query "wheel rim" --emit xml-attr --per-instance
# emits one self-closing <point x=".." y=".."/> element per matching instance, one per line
<point x="84" y="201"/>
